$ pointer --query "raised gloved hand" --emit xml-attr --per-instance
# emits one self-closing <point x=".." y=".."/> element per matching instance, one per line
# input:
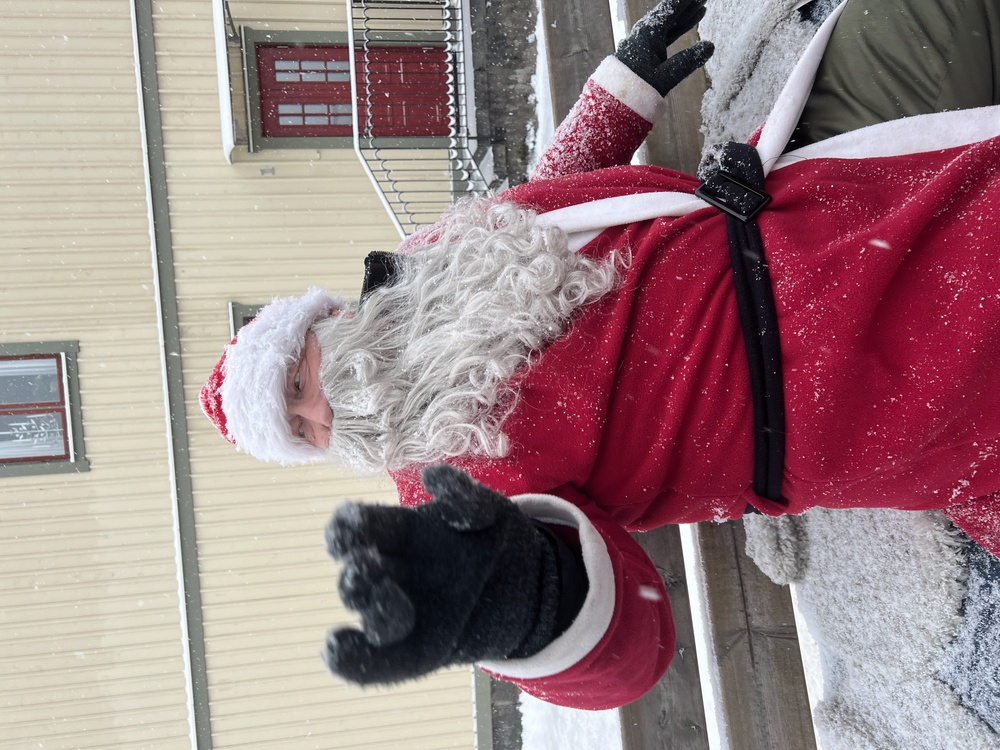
<point x="465" y="577"/>
<point x="644" y="50"/>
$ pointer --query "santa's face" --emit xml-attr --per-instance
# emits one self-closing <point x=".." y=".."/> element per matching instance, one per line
<point x="309" y="415"/>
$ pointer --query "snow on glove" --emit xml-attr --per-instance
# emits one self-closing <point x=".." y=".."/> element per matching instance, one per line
<point x="644" y="50"/>
<point x="465" y="577"/>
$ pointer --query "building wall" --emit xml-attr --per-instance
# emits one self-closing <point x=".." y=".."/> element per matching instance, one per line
<point x="91" y="647"/>
<point x="272" y="223"/>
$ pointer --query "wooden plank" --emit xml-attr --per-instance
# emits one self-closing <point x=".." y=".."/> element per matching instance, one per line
<point x="577" y="37"/>
<point x="672" y="715"/>
<point x="763" y="695"/>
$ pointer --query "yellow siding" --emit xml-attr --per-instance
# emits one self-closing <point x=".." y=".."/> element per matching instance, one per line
<point x="291" y="14"/>
<point x="90" y="632"/>
<point x="273" y="223"/>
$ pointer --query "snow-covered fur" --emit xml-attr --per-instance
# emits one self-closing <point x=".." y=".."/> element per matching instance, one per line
<point x="421" y="370"/>
<point x="778" y="546"/>
<point x="760" y="43"/>
<point x="881" y="592"/>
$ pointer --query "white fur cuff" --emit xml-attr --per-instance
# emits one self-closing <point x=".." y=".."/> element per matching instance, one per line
<point x="617" y="79"/>
<point x="595" y="616"/>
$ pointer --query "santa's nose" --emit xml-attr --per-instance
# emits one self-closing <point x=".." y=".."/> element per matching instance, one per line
<point x="311" y="420"/>
<point x="314" y="409"/>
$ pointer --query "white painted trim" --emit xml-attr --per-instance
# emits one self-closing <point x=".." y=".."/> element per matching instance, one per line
<point x="598" y="608"/>
<point x="67" y="408"/>
<point x="716" y="728"/>
<point x="175" y="518"/>
<point x="222" y="73"/>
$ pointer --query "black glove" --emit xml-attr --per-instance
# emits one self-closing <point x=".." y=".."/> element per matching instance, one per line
<point x="644" y="50"/>
<point x="465" y="577"/>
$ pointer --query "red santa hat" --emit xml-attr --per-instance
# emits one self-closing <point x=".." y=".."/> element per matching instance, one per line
<point x="244" y="397"/>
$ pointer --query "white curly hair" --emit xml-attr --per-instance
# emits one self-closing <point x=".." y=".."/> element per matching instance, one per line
<point x="421" y="370"/>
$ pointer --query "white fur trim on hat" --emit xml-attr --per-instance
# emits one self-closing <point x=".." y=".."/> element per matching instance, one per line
<point x="254" y="377"/>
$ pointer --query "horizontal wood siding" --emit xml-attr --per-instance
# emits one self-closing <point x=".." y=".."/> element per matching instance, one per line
<point x="91" y="650"/>
<point x="273" y="223"/>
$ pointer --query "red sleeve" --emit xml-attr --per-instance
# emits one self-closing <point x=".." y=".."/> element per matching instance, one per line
<point x="609" y="121"/>
<point x="409" y="487"/>
<point x="623" y="639"/>
<point x="980" y="519"/>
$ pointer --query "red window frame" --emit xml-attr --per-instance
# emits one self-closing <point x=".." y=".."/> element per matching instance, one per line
<point x="58" y="408"/>
<point x="305" y="91"/>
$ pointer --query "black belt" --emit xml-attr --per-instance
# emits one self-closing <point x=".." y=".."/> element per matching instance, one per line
<point x="737" y="188"/>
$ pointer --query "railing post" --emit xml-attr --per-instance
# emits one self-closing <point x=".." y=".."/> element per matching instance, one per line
<point x="356" y="125"/>
<point x="406" y="171"/>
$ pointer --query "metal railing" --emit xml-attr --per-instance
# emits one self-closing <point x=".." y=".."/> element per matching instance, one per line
<point x="419" y="172"/>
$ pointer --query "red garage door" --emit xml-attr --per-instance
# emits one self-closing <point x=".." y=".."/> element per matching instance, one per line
<point x="306" y="91"/>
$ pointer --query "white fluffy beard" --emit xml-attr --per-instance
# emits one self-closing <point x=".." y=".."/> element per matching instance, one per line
<point x="421" y="370"/>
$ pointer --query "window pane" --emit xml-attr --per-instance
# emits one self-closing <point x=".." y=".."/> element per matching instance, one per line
<point x="315" y="109"/>
<point x="39" y="410"/>
<point x="286" y="64"/>
<point x="313" y="77"/>
<point x="338" y="76"/>
<point x="317" y="120"/>
<point x="289" y="109"/>
<point x="30" y="381"/>
<point x="286" y="77"/>
<point x="27" y="436"/>
<point x="312" y="65"/>
<point x="338" y="65"/>
<point x="289" y="120"/>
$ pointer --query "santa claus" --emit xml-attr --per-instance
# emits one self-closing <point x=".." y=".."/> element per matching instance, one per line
<point x="613" y="353"/>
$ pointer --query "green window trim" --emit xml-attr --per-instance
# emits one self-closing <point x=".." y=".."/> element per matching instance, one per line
<point x="240" y="315"/>
<point x="77" y="461"/>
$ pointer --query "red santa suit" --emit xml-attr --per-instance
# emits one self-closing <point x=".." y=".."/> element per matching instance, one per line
<point x="883" y="251"/>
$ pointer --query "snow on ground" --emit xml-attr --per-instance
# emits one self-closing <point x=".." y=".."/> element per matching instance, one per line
<point x="881" y="593"/>
<point x="548" y="727"/>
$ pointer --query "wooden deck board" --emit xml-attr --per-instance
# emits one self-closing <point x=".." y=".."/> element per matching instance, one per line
<point x="752" y="627"/>
<point x="672" y="715"/>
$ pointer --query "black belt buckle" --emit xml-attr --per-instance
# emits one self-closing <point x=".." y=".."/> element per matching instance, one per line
<point x="734" y="197"/>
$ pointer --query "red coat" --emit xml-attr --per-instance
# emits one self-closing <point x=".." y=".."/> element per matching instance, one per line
<point x="886" y="273"/>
